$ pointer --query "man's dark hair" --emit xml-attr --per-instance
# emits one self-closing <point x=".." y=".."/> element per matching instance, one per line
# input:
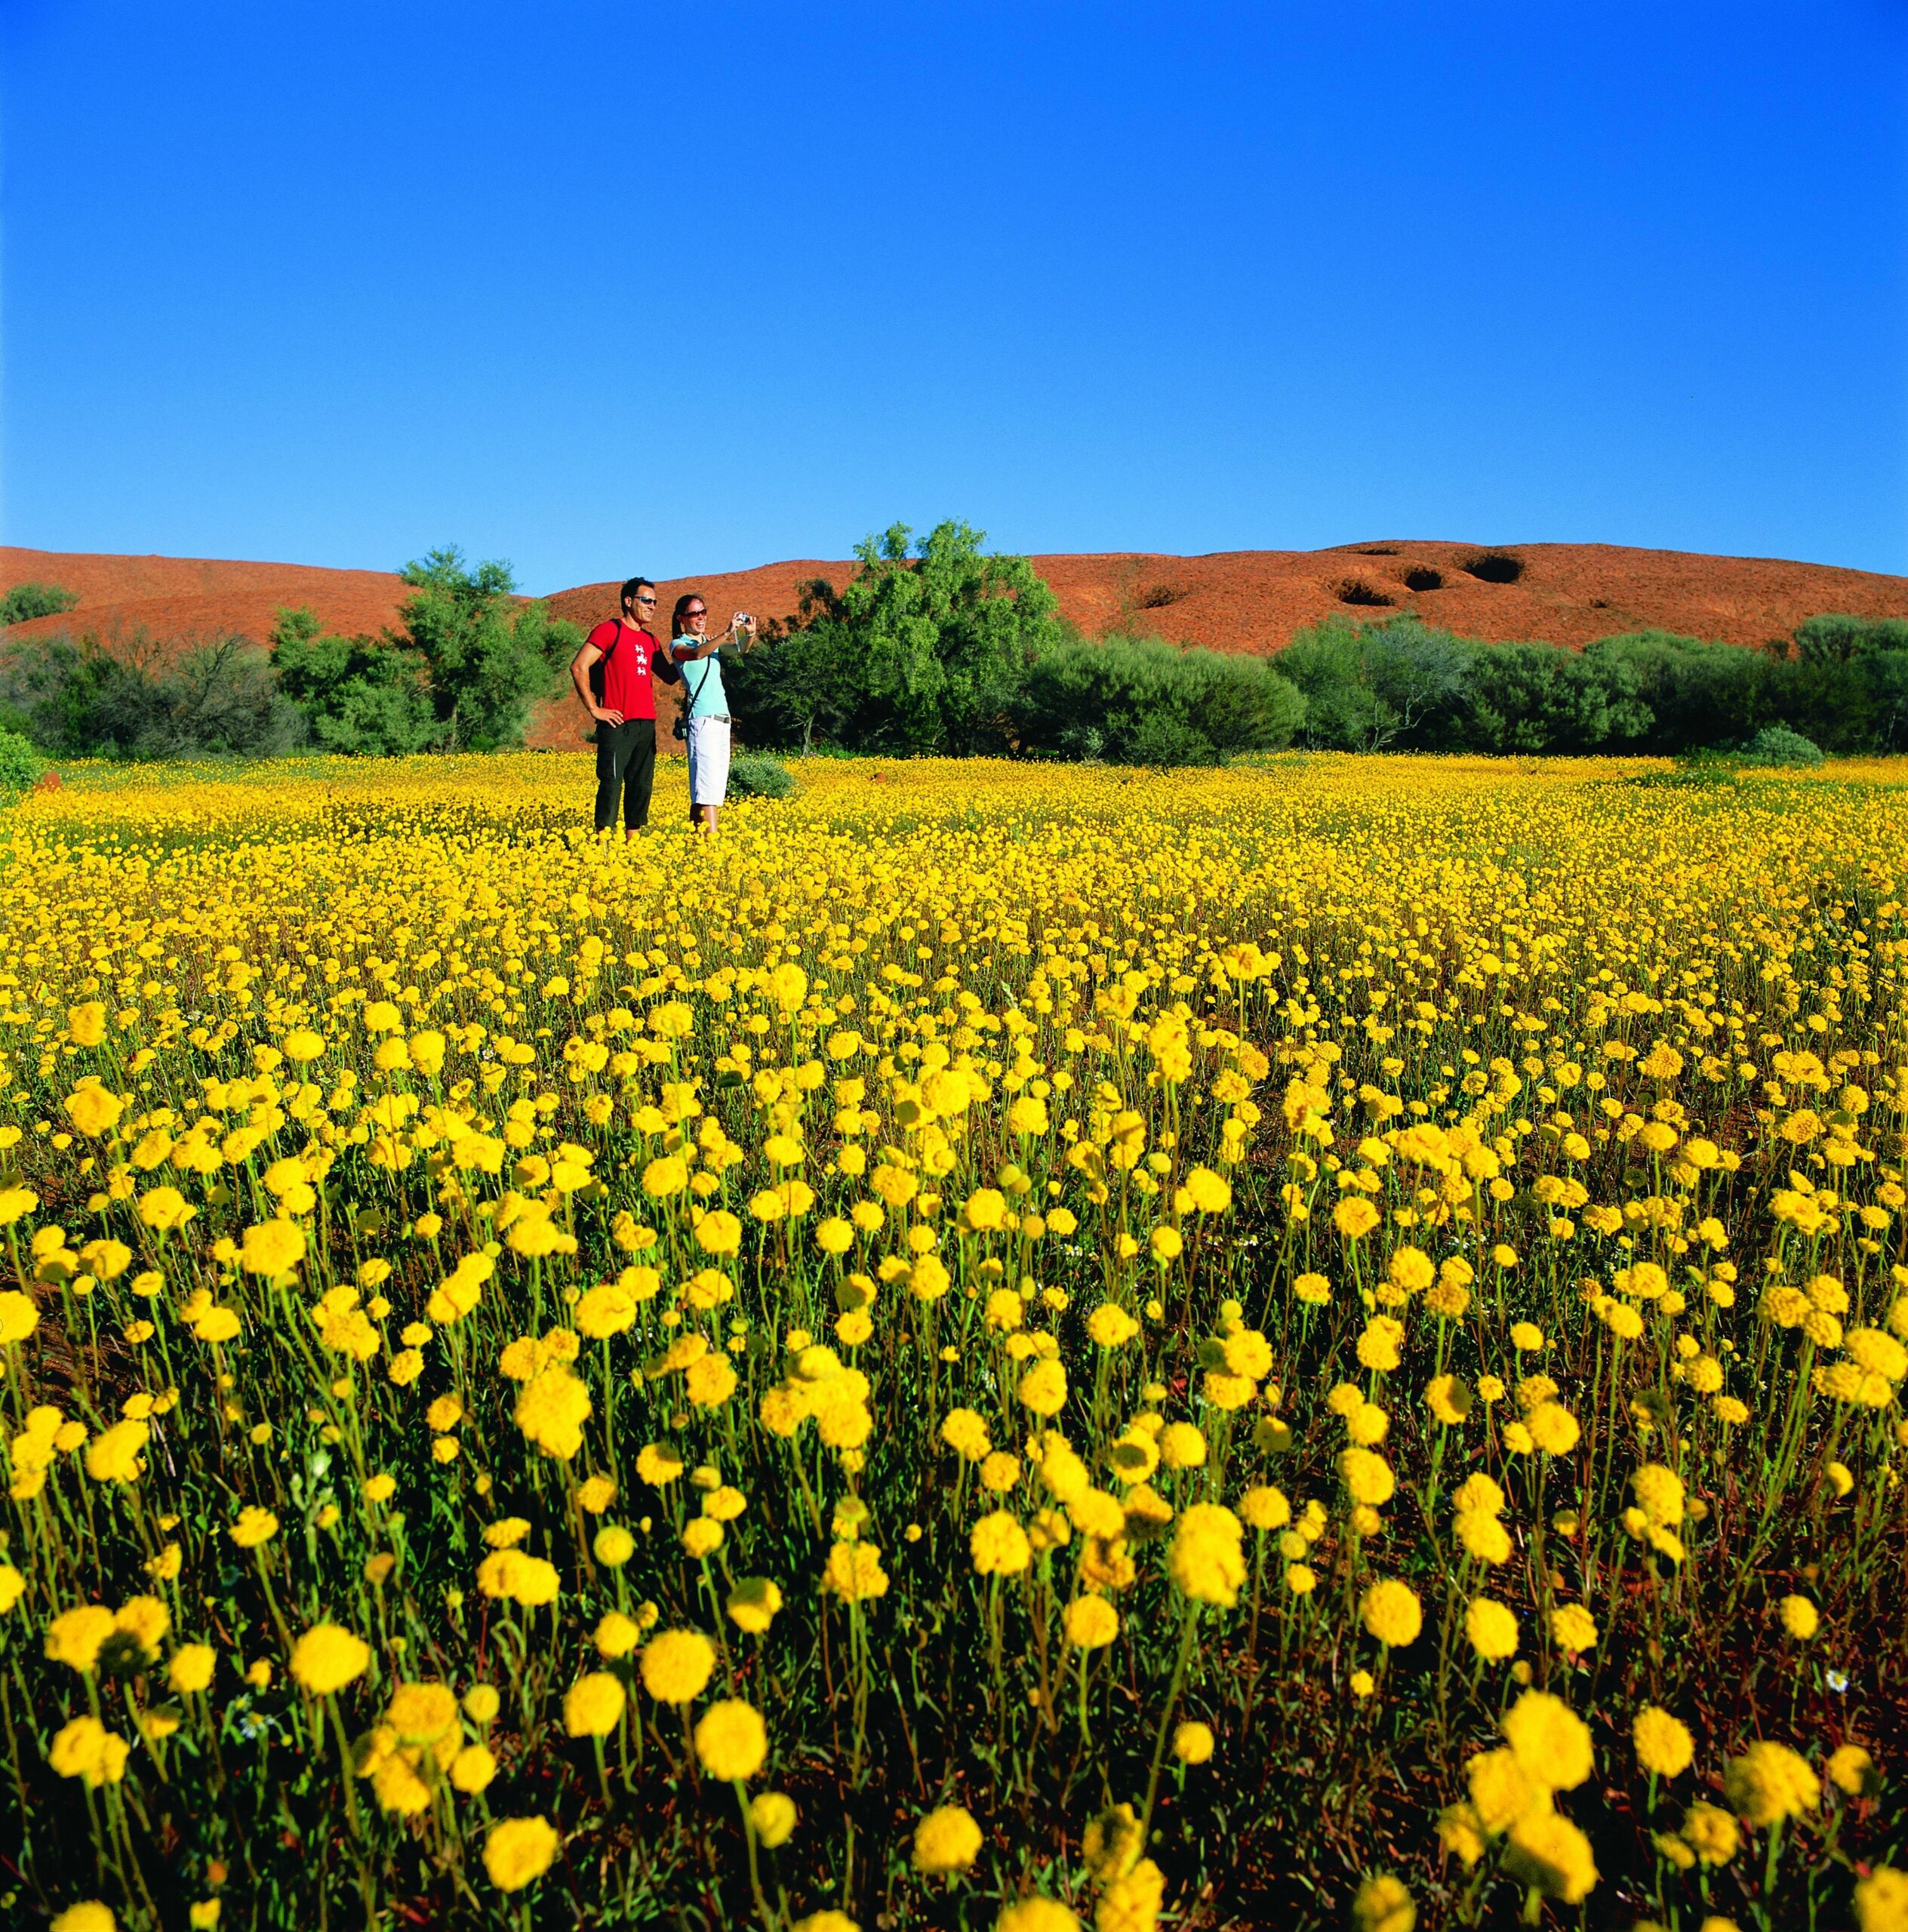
<point x="635" y="584"/>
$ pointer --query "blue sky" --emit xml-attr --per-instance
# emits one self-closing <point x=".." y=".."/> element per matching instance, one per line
<point x="599" y="288"/>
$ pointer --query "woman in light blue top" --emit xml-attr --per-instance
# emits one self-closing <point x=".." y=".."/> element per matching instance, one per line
<point x="705" y="721"/>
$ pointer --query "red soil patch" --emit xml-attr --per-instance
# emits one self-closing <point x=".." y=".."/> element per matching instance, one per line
<point x="1244" y="600"/>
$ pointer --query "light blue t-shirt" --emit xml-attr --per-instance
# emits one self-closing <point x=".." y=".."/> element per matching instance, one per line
<point x="703" y="695"/>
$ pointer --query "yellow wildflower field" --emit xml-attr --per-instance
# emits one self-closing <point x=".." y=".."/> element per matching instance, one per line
<point x="1318" y="1344"/>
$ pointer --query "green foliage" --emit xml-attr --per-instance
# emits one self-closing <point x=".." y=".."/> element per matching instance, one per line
<point x="1369" y="687"/>
<point x="1140" y="701"/>
<point x="1544" y="698"/>
<point x="951" y="651"/>
<point x="938" y="647"/>
<point x="922" y="651"/>
<point x="752" y="775"/>
<point x="132" y="700"/>
<point x="20" y="765"/>
<point x="1836" y="639"/>
<point x="1845" y="685"/>
<point x="462" y="675"/>
<point x="1692" y="692"/>
<point x="487" y="657"/>
<point x="1401" y="684"/>
<point x="1776" y="744"/>
<point x="356" y="694"/>
<point x="25" y="601"/>
<point x="801" y="686"/>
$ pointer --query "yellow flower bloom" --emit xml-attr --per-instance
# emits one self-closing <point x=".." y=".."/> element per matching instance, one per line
<point x="731" y="1740"/>
<point x="327" y="1657"/>
<point x="1769" y="1782"/>
<point x="518" y="1851"/>
<point x="1391" y="1611"/>
<point x="1492" y="1629"/>
<point x="947" y="1839"/>
<point x="593" y="1706"/>
<point x="1664" y="1747"/>
<point x="1192" y="1742"/>
<point x="677" y="1665"/>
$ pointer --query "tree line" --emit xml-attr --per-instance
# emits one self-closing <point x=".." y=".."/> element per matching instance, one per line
<point x="936" y="646"/>
<point x="939" y="648"/>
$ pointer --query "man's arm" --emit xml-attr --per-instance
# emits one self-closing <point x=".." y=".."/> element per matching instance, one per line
<point x="585" y="661"/>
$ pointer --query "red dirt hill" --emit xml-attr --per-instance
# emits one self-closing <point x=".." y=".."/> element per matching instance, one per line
<point x="174" y="597"/>
<point x="1253" y="600"/>
<point x="1248" y="600"/>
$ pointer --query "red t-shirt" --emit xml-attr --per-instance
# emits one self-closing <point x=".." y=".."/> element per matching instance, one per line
<point x="627" y="656"/>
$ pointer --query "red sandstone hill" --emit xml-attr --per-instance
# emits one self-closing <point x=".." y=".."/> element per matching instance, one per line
<point x="1246" y="600"/>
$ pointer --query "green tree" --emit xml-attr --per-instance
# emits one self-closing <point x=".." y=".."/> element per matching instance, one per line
<point x="947" y="633"/>
<point x="922" y="650"/>
<point x="1692" y="692"/>
<point x="802" y="683"/>
<point x="461" y="676"/>
<point x="1834" y="638"/>
<point x="357" y="694"/>
<point x="488" y="657"/>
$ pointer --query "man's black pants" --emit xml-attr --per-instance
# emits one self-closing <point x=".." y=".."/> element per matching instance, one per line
<point x="626" y="762"/>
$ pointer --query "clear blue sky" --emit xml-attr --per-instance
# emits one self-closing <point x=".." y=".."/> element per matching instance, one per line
<point x="599" y="288"/>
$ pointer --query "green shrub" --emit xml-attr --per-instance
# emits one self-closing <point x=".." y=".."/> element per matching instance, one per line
<point x="752" y="775"/>
<point x="1845" y="683"/>
<point x="131" y="699"/>
<point x="1545" y="698"/>
<point x="1833" y="638"/>
<point x="25" y="601"/>
<point x="1776" y="744"/>
<point x="1141" y="701"/>
<point x="1370" y="687"/>
<point x="20" y="765"/>
<point x="1165" y="743"/>
<point x="1690" y="692"/>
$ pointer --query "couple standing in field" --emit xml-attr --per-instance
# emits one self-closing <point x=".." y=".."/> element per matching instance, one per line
<point x="613" y="673"/>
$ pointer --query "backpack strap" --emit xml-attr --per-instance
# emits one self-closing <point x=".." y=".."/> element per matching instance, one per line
<point x="597" y="671"/>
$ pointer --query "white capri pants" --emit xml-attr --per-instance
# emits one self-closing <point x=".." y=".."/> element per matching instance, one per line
<point x="708" y="761"/>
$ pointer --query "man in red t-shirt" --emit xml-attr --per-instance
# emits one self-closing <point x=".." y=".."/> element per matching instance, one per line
<point x="622" y="700"/>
